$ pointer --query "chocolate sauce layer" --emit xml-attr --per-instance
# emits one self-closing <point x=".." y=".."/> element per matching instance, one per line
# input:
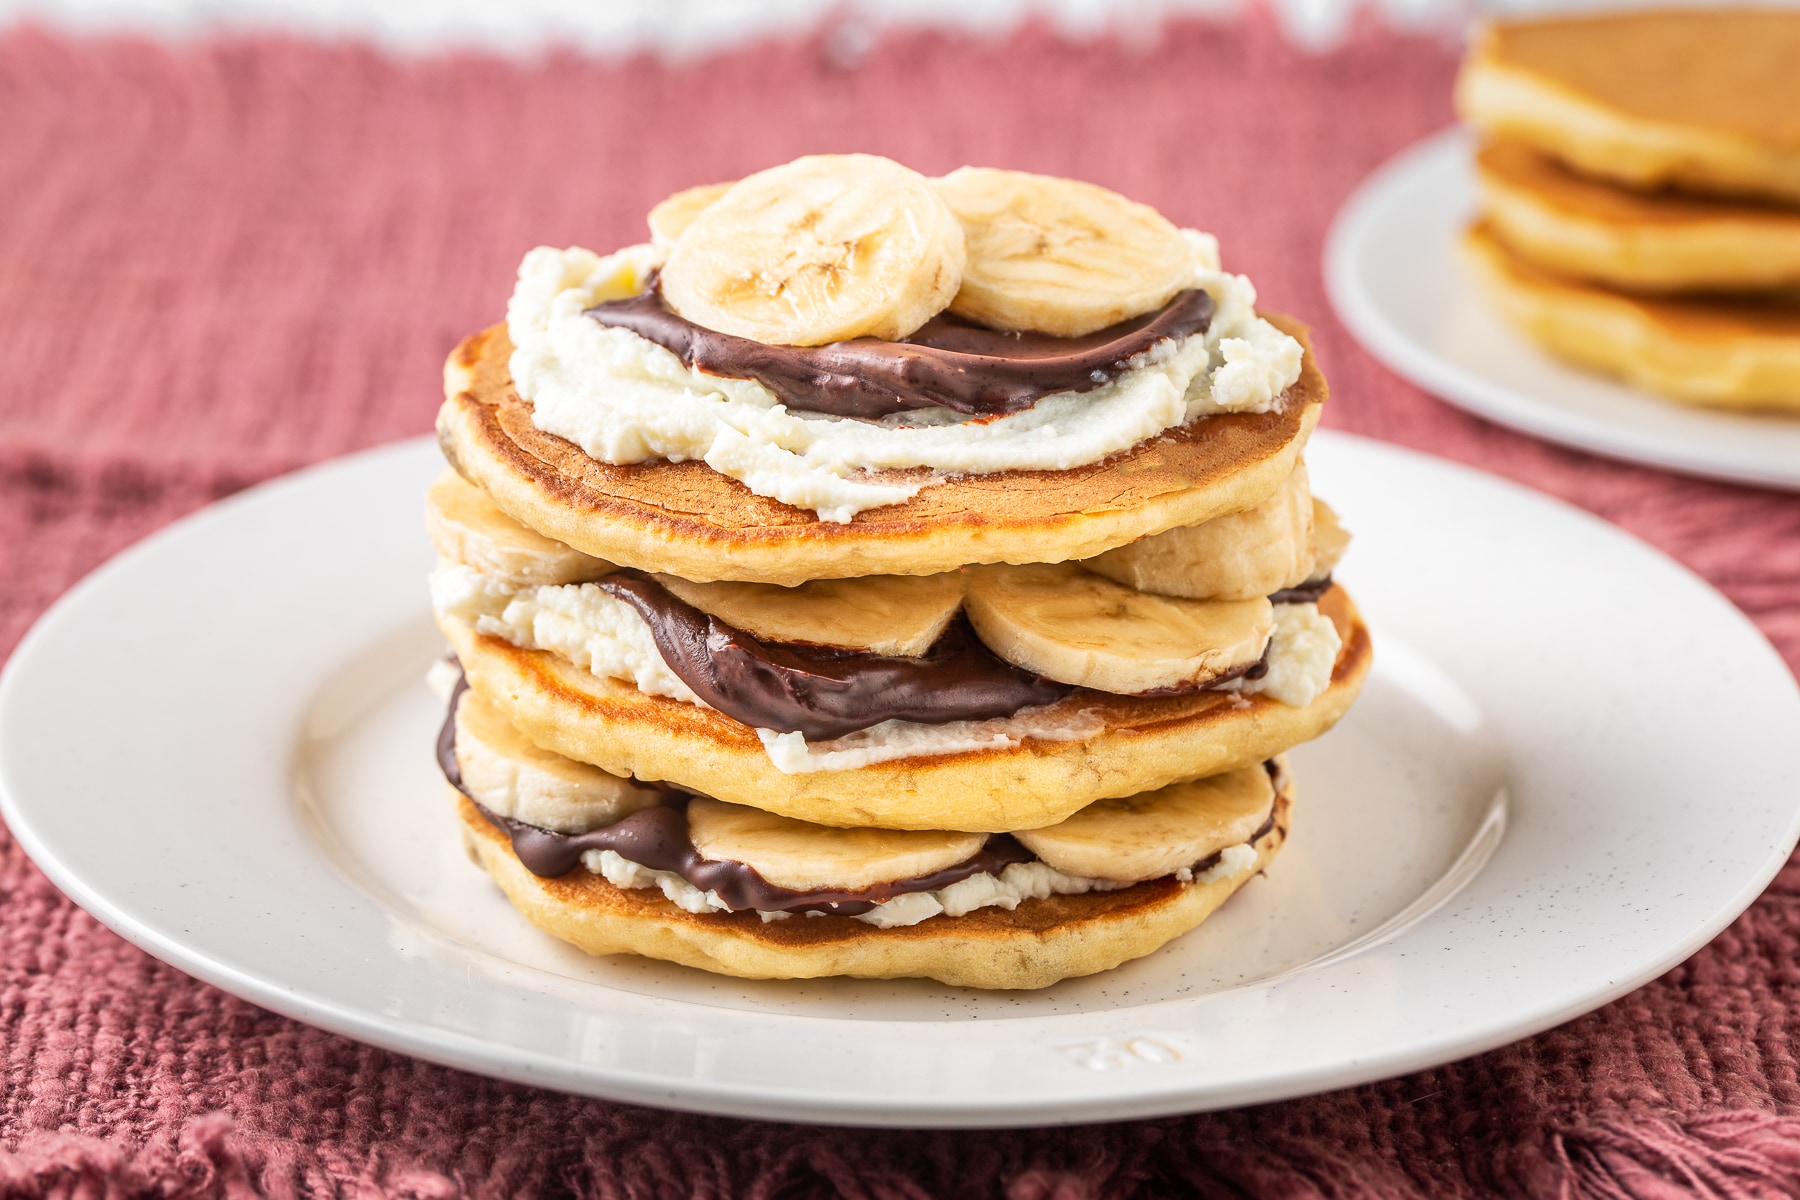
<point x="658" y="838"/>
<point x="824" y="693"/>
<point x="1306" y="593"/>
<point x="948" y="363"/>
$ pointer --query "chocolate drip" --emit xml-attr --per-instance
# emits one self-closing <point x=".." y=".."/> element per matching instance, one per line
<point x="1306" y="593"/>
<point x="446" y="742"/>
<point x="948" y="363"/>
<point x="824" y="693"/>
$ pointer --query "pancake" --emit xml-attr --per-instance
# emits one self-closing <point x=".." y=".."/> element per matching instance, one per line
<point x="1128" y="744"/>
<point x="1705" y="100"/>
<point x="1639" y="241"/>
<point x="1031" y="946"/>
<point x="1736" y="354"/>
<point x="686" y="519"/>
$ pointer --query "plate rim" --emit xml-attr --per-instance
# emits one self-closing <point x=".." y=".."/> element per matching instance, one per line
<point x="1369" y="323"/>
<point x="447" y="1047"/>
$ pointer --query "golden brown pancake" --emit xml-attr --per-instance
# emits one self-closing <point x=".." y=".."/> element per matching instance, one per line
<point x="1032" y="946"/>
<point x="687" y="519"/>
<point x="1140" y="743"/>
<point x="1661" y="241"/>
<point x="1722" y="353"/>
<point x="1703" y="99"/>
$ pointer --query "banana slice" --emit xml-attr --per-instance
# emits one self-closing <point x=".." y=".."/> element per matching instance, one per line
<point x="1075" y="627"/>
<point x="883" y="614"/>
<point x="670" y="219"/>
<point x="468" y="528"/>
<point x="510" y="776"/>
<point x="825" y="248"/>
<point x="1152" y="834"/>
<point x="804" y="856"/>
<point x="1330" y="540"/>
<point x="1059" y="256"/>
<point x="1234" y="557"/>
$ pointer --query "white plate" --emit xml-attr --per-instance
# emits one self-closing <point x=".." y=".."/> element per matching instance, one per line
<point x="1391" y="271"/>
<point x="220" y="745"/>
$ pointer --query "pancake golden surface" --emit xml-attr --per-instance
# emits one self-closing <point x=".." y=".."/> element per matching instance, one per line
<point x="1707" y="100"/>
<point x="686" y="519"/>
<point x="1122" y="745"/>
<point x="1031" y="946"/>
<point x="1639" y="241"/>
<point x="1736" y="354"/>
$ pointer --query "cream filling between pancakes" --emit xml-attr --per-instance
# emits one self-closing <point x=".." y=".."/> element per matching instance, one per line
<point x="625" y="399"/>
<point x="590" y="628"/>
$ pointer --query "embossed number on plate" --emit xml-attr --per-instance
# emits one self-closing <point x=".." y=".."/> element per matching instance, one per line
<point x="1132" y="1050"/>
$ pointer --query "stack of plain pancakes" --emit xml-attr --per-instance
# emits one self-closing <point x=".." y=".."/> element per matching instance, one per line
<point x="884" y="576"/>
<point x="1640" y="195"/>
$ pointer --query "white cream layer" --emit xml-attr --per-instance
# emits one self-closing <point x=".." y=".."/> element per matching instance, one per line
<point x="584" y="624"/>
<point x="1014" y="885"/>
<point x="625" y="399"/>
<point x="1302" y="652"/>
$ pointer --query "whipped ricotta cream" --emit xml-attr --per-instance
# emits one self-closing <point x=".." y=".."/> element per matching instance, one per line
<point x="577" y="621"/>
<point x="1302" y="652"/>
<point x="1013" y="886"/>
<point x="792" y="754"/>
<point x="625" y="399"/>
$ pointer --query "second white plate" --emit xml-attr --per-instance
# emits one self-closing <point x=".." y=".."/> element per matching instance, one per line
<point x="1391" y="270"/>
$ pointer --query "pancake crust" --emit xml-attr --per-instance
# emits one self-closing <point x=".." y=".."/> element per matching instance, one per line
<point x="1033" y="946"/>
<point x="1721" y="353"/>
<point x="1639" y="241"/>
<point x="1704" y="100"/>
<point x="687" y="519"/>
<point x="1145" y="743"/>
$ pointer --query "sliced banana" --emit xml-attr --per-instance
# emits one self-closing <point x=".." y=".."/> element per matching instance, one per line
<point x="1234" y="557"/>
<point x="1153" y="834"/>
<point x="1059" y="256"/>
<point x="510" y="776"/>
<point x="469" y="528"/>
<point x="804" y="856"/>
<point x="882" y="614"/>
<point x="825" y="248"/>
<point x="1330" y="540"/>
<point x="1075" y="627"/>
<point x="670" y="219"/>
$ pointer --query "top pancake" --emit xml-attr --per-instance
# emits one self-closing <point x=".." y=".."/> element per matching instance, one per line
<point x="1703" y="99"/>
<point x="686" y="519"/>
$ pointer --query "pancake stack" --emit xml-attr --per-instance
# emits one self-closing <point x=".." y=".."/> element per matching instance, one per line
<point x="884" y="576"/>
<point x="1640" y="193"/>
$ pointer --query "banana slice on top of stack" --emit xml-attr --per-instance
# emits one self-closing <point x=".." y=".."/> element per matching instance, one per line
<point x="884" y="576"/>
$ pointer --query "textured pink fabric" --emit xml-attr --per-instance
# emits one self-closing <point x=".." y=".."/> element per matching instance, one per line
<point x="225" y="260"/>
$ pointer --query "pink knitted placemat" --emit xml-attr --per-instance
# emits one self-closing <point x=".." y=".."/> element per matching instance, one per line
<point x="225" y="260"/>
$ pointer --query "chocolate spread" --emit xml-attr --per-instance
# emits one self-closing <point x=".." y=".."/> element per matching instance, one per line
<point x="1305" y="593"/>
<point x="658" y="838"/>
<point x="824" y="693"/>
<point x="948" y="363"/>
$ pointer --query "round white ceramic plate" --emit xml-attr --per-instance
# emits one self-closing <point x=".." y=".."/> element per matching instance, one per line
<point x="1573" y="764"/>
<point x="1393" y="277"/>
